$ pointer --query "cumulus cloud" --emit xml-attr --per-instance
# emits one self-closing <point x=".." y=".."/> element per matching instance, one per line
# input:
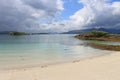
<point x="24" y="15"/>
<point x="97" y="13"/>
<point x="56" y="26"/>
<point x="50" y="7"/>
<point x="93" y="14"/>
<point x="40" y="15"/>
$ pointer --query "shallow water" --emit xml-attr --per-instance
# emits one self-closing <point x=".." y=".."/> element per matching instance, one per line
<point x="21" y="51"/>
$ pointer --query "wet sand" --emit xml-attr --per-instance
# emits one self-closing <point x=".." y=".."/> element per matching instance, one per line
<point x="98" y="68"/>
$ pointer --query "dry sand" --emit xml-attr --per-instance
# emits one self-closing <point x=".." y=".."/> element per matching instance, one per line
<point x="99" y="68"/>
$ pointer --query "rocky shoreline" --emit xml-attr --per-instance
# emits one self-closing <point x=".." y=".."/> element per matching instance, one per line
<point x="101" y="36"/>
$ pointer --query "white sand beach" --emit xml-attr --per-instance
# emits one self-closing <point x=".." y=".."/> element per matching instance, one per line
<point x="99" y="68"/>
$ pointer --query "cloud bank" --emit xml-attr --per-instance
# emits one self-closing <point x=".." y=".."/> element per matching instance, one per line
<point x="40" y="15"/>
<point x="97" y="13"/>
<point x="93" y="14"/>
<point x="24" y="15"/>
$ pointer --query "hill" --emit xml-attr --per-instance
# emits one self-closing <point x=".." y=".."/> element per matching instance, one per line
<point x="99" y="35"/>
<point x="114" y="31"/>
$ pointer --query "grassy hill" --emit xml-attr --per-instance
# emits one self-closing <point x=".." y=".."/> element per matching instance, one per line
<point x="99" y="35"/>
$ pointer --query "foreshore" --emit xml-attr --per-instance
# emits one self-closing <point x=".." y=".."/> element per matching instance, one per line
<point x="105" y="67"/>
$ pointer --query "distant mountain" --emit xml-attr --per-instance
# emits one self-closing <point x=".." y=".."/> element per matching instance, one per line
<point x="114" y="31"/>
<point x="77" y="31"/>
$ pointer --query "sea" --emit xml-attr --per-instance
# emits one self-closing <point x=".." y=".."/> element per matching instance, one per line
<point x="44" y="49"/>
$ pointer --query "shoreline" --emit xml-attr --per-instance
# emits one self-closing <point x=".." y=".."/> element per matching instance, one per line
<point x="105" y="67"/>
<point x="55" y="63"/>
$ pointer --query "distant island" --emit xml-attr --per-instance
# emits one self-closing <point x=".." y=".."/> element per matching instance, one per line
<point x="17" y="33"/>
<point x="101" y="36"/>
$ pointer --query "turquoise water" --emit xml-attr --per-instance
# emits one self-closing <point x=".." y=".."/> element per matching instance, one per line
<point x="33" y="50"/>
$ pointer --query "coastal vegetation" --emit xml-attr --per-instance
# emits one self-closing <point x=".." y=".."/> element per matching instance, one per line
<point x="101" y="36"/>
<point x="17" y="33"/>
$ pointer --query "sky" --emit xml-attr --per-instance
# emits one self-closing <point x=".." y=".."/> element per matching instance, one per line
<point x="56" y="16"/>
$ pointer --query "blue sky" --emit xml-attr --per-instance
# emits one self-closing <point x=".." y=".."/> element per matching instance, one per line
<point x="70" y="7"/>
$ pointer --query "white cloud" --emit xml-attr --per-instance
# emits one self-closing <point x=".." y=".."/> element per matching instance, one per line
<point x="24" y="15"/>
<point x="97" y="13"/>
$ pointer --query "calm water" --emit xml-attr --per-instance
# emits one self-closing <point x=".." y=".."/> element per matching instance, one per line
<point x="21" y="51"/>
